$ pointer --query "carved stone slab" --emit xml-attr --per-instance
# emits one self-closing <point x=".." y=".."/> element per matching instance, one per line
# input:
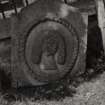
<point x="47" y="29"/>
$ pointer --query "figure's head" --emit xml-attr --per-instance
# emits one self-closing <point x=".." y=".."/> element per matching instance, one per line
<point x="50" y="44"/>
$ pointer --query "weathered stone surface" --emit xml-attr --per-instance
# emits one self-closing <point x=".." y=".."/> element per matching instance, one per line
<point x="37" y="13"/>
<point x="100" y="5"/>
<point x="5" y="28"/>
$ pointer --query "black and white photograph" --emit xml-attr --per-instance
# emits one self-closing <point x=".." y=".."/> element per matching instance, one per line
<point x="52" y="52"/>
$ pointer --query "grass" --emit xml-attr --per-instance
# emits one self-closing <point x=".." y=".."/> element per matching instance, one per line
<point x="87" y="93"/>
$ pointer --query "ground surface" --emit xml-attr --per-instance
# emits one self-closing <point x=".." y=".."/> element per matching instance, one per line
<point x="87" y="93"/>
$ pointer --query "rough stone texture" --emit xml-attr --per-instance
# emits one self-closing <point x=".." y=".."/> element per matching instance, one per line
<point x="5" y="28"/>
<point x="101" y="18"/>
<point x="31" y="15"/>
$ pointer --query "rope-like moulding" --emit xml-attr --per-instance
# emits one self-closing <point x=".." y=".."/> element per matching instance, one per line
<point x="61" y="50"/>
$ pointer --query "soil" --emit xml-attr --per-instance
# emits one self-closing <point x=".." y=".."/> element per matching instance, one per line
<point x="88" y="93"/>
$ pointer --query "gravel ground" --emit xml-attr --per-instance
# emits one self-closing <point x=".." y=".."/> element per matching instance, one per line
<point x="88" y="93"/>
